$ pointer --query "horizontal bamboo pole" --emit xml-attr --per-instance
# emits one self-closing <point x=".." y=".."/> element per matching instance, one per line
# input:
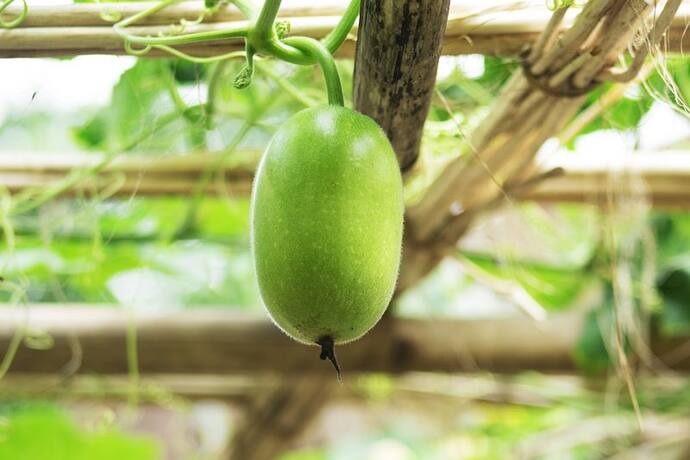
<point x="662" y="178"/>
<point x="227" y="342"/>
<point x="77" y="29"/>
<point x="145" y="175"/>
<point x="236" y="389"/>
<point x="98" y="14"/>
<point x="221" y="341"/>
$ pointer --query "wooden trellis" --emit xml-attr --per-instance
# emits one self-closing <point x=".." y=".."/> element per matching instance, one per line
<point x="662" y="177"/>
<point x="487" y="27"/>
<point x="220" y="342"/>
<point x="568" y="57"/>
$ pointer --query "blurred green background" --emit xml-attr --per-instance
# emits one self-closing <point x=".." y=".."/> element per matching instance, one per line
<point x="188" y="252"/>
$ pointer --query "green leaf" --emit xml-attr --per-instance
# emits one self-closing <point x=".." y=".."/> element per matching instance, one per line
<point x="590" y="352"/>
<point x="186" y="71"/>
<point x="625" y="114"/>
<point x="675" y="291"/>
<point x="140" y="105"/>
<point x="553" y="288"/>
<point x="44" y="432"/>
<point x="672" y="234"/>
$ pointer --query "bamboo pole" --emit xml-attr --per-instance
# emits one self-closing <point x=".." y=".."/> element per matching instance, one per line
<point x="395" y="69"/>
<point x="487" y="27"/>
<point x="229" y="342"/>
<point x="587" y="179"/>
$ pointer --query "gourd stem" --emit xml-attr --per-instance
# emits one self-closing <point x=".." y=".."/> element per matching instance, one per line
<point x="264" y="38"/>
<point x="318" y="51"/>
<point x="328" y="352"/>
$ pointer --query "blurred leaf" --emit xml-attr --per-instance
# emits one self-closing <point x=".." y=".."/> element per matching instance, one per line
<point x="675" y="291"/>
<point x="553" y="288"/>
<point x="138" y="103"/>
<point x="591" y="353"/>
<point x="186" y="71"/>
<point x="376" y="386"/>
<point x="497" y="71"/>
<point x="625" y="114"/>
<point x="305" y="455"/>
<point x="42" y="432"/>
<point x="672" y="235"/>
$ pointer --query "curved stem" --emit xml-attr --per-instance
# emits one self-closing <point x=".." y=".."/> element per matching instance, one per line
<point x="144" y="14"/>
<point x="235" y="32"/>
<point x="331" y="42"/>
<point x="213" y="83"/>
<point x="316" y="50"/>
<point x="337" y="36"/>
<point x="16" y="21"/>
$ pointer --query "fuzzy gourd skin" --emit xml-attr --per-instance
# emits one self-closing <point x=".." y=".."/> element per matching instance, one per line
<point x="326" y="226"/>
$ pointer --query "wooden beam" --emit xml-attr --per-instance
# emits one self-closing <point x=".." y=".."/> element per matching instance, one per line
<point x="231" y="388"/>
<point x="491" y="27"/>
<point x="226" y="342"/>
<point x="126" y="175"/>
<point x="398" y="48"/>
<point x="217" y="341"/>
<point x="662" y="178"/>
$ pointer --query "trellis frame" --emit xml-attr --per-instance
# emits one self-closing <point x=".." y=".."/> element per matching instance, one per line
<point x="432" y="229"/>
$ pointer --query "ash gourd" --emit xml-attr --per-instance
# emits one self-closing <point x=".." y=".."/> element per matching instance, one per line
<point x="326" y="214"/>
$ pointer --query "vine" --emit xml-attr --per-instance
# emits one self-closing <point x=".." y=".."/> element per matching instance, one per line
<point x="17" y="21"/>
<point x="262" y="35"/>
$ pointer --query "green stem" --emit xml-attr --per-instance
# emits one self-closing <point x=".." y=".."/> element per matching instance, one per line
<point x="288" y="87"/>
<point x="318" y="51"/>
<point x="263" y="27"/>
<point x="264" y="39"/>
<point x="247" y="8"/>
<point x="190" y="217"/>
<point x="11" y="352"/>
<point x="184" y="39"/>
<point x="171" y="84"/>
<point x="197" y="59"/>
<point x="337" y="36"/>
<point x="235" y="32"/>
<point x="144" y="14"/>
<point x="213" y="85"/>
<point x="16" y="21"/>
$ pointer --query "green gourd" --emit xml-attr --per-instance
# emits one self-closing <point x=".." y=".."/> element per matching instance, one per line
<point x="326" y="227"/>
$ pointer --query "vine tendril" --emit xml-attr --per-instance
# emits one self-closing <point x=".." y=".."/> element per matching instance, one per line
<point x="16" y="21"/>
